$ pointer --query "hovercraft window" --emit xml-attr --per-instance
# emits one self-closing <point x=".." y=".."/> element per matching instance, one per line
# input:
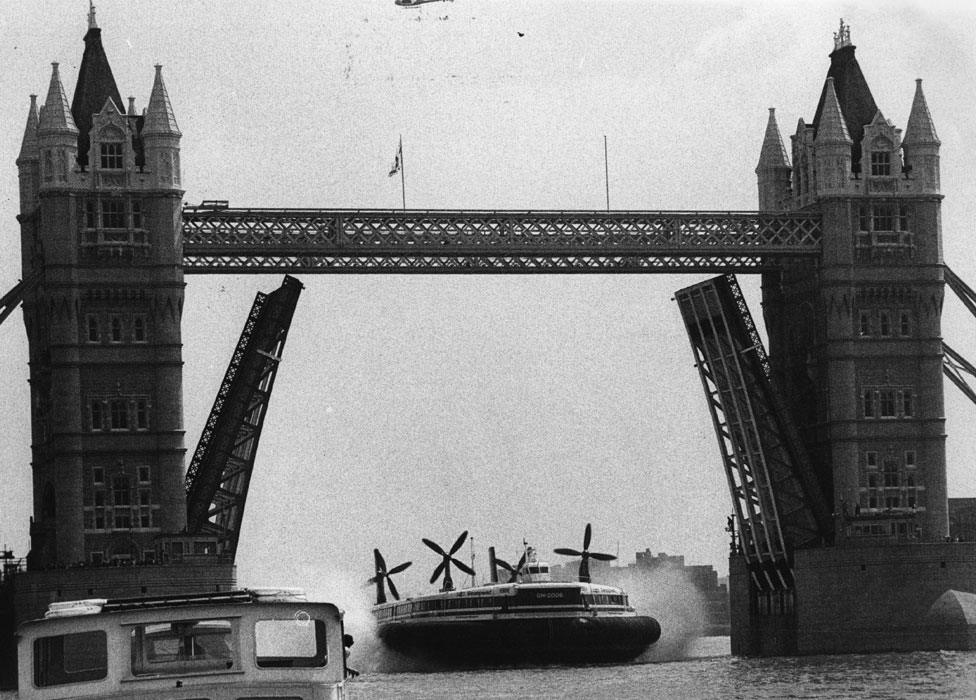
<point x="292" y="643"/>
<point x="70" y="658"/>
<point x="183" y="647"/>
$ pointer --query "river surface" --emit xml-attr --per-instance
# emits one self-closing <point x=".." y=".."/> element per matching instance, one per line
<point x="707" y="671"/>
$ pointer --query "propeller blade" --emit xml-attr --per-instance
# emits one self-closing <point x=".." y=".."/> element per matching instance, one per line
<point x="462" y="566"/>
<point x="584" y="570"/>
<point x="378" y="559"/>
<point x="398" y="569"/>
<point x="568" y="552"/>
<point x="602" y="557"/>
<point x="505" y="565"/>
<point x="438" y="570"/>
<point x="393" y="590"/>
<point x="586" y="537"/>
<point x="515" y="572"/>
<point x="458" y="542"/>
<point x="433" y="545"/>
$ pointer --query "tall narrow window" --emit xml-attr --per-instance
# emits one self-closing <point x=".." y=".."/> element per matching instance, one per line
<point x="115" y="328"/>
<point x="885" y="324"/>
<point x="91" y="326"/>
<point x="864" y="323"/>
<point x="142" y="423"/>
<point x="120" y="414"/>
<point x="139" y="328"/>
<point x="136" y="207"/>
<point x="886" y="403"/>
<point x="905" y="323"/>
<point x="91" y="214"/>
<point x="97" y="413"/>
<point x="907" y="407"/>
<point x="868" y="402"/>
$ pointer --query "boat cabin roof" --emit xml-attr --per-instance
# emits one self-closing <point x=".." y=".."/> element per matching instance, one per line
<point x="148" y="647"/>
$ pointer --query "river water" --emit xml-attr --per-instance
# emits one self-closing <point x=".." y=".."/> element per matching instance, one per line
<point x="708" y="671"/>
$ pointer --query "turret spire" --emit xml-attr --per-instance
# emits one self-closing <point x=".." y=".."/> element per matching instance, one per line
<point x="773" y="153"/>
<point x="28" y="147"/>
<point x="920" y="129"/>
<point x="832" y="128"/>
<point x="92" y="24"/>
<point x="56" y="115"/>
<point x="159" y="113"/>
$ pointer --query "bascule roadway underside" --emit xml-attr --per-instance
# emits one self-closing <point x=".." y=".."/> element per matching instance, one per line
<point x="218" y="239"/>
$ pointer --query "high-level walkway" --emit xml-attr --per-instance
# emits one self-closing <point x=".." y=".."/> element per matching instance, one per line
<point x="217" y="238"/>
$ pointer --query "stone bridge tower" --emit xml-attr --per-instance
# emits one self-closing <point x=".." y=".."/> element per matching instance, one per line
<point x="858" y="341"/>
<point x="100" y="225"/>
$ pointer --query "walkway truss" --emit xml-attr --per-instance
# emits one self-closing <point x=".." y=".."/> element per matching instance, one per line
<point x="217" y="238"/>
<point x="777" y="502"/>
<point x="220" y="471"/>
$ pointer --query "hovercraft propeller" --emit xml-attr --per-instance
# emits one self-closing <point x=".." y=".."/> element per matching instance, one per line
<point x="382" y="574"/>
<point x="448" y="559"/>
<point x="513" y="570"/>
<point x="585" y="555"/>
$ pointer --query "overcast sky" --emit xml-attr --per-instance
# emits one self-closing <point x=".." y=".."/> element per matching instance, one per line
<point x="511" y="406"/>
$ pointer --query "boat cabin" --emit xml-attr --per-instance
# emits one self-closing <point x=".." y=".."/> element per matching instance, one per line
<point x="225" y="646"/>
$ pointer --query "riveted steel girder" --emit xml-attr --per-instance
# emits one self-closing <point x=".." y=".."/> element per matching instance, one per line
<point x="221" y="239"/>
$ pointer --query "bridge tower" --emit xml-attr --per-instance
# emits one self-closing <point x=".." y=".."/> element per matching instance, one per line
<point x="100" y="222"/>
<point x="858" y="341"/>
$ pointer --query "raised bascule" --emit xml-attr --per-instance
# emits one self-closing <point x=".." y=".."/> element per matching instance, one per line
<point x="832" y="443"/>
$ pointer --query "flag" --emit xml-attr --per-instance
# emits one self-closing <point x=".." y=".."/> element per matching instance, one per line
<point x="397" y="160"/>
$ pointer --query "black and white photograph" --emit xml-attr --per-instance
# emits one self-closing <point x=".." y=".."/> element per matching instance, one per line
<point x="385" y="349"/>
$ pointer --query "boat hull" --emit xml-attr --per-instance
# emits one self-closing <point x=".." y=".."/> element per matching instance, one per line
<point x="522" y="640"/>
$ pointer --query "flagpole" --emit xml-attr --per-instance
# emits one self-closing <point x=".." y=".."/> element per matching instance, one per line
<point x="403" y="186"/>
<point x="606" y="170"/>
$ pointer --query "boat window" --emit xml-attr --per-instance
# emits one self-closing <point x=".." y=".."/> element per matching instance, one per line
<point x="292" y="643"/>
<point x="70" y="658"/>
<point x="182" y="647"/>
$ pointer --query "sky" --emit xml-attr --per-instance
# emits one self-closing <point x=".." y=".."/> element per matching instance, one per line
<point x="509" y="406"/>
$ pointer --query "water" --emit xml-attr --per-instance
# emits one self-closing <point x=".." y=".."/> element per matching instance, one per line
<point x="708" y="672"/>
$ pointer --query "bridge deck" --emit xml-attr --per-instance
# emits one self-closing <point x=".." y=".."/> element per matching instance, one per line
<point x="232" y="240"/>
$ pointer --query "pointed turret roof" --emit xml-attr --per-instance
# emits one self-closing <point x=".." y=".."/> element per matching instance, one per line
<point x="159" y="113"/>
<point x="773" y="153"/>
<point x="56" y="116"/>
<point x="28" y="147"/>
<point x="920" y="129"/>
<point x="95" y="85"/>
<point x="831" y="128"/>
<point x="853" y="94"/>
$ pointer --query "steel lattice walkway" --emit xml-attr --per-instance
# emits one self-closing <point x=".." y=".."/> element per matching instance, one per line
<point x="223" y="239"/>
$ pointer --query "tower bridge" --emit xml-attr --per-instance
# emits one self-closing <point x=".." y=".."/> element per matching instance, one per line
<point x="832" y="442"/>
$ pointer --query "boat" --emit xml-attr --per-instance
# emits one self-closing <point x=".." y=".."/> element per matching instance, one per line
<point x="527" y="619"/>
<point x="254" y="643"/>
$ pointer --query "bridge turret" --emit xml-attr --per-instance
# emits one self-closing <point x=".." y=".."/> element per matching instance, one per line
<point x="28" y="162"/>
<point x="57" y="136"/>
<point x="773" y="171"/>
<point x="161" y="136"/>
<point x="832" y="147"/>
<point x="921" y="147"/>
